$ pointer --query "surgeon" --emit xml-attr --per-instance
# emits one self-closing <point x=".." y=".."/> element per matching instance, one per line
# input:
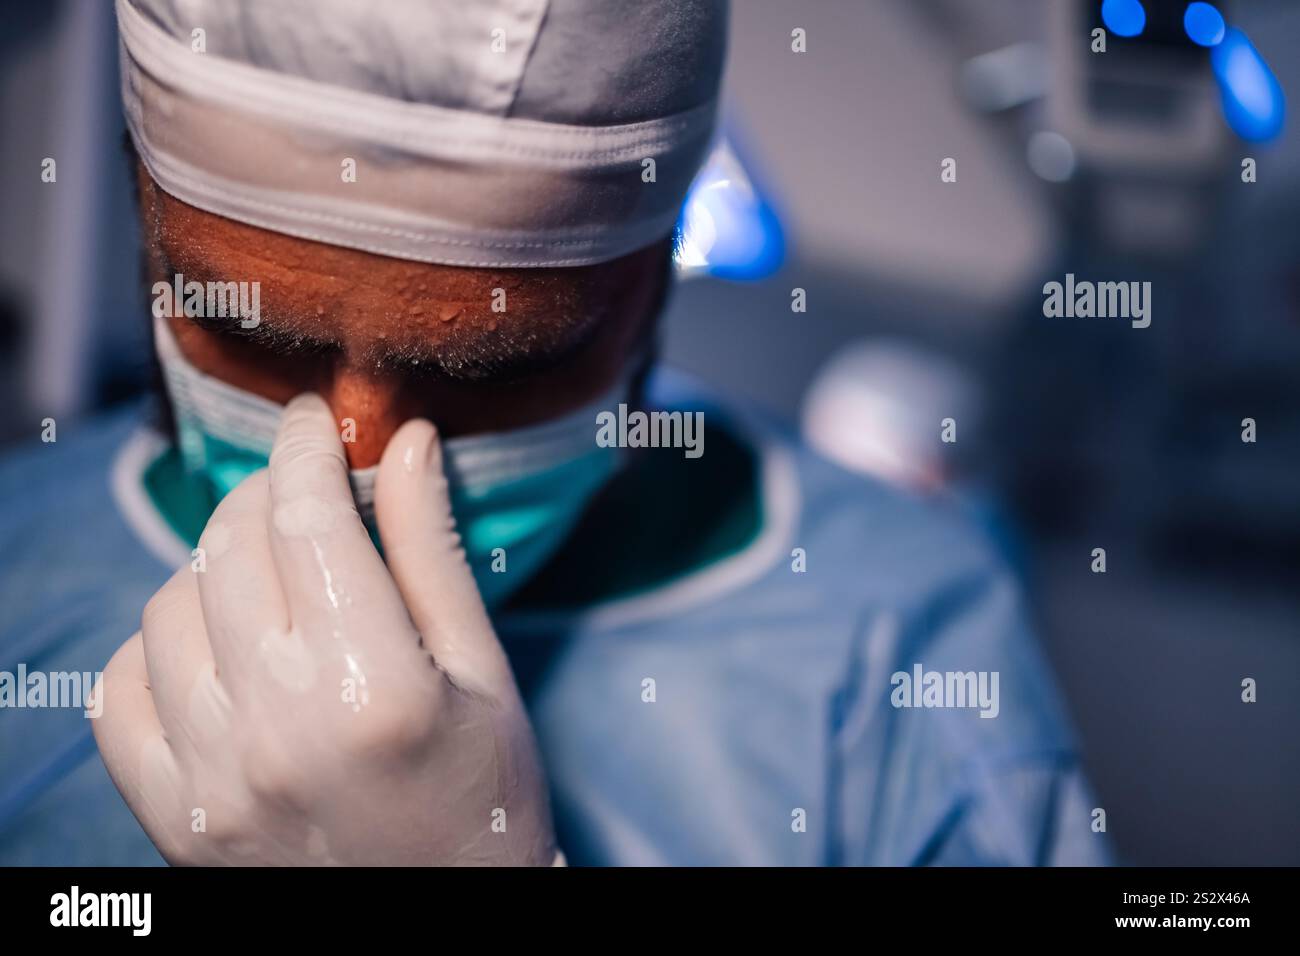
<point x="391" y="600"/>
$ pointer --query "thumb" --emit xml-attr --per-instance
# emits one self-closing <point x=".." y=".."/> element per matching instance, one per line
<point x="425" y="558"/>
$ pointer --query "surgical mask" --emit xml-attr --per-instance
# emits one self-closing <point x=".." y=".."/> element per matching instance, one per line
<point x="518" y="491"/>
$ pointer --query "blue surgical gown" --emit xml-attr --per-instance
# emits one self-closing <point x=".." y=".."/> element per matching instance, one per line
<point x="769" y="737"/>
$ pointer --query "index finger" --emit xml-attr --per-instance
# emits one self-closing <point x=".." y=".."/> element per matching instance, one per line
<point x="335" y="583"/>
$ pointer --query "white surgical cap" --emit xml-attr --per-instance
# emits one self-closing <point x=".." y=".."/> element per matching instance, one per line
<point x="484" y="132"/>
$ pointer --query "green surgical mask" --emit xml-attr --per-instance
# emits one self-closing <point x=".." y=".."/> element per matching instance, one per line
<point x="515" y="495"/>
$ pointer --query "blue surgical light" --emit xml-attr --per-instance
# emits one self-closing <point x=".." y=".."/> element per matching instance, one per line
<point x="726" y="228"/>
<point x="1126" y="18"/>
<point x="1253" y="102"/>
<point x="1204" y="24"/>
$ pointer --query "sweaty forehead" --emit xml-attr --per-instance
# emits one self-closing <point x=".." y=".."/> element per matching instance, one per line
<point x="390" y="310"/>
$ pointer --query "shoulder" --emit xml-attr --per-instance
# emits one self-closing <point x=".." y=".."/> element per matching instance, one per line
<point x="884" y="544"/>
<point x="846" y="576"/>
<point x="948" y="725"/>
<point x="764" y="685"/>
<point x="931" y="590"/>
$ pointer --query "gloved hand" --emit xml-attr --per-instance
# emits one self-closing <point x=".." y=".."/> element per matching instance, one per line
<point x="297" y="702"/>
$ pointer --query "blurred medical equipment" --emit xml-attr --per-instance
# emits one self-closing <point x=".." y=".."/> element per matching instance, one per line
<point x="1149" y="121"/>
<point x="1136" y="102"/>
<point x="728" y="228"/>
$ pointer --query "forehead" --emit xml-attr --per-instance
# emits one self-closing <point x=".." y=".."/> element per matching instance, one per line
<point x="384" y="307"/>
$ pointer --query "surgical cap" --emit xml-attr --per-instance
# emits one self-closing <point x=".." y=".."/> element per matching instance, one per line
<point x="496" y="133"/>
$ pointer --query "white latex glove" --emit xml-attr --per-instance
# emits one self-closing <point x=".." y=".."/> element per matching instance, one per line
<point x="297" y="702"/>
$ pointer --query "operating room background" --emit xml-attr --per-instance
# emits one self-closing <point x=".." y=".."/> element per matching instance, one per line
<point x="923" y="301"/>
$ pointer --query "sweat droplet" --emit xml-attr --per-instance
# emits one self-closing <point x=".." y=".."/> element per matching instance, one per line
<point x="446" y="315"/>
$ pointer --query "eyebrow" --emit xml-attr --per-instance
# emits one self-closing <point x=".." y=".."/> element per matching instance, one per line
<point x="455" y="360"/>
<point x="275" y="337"/>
